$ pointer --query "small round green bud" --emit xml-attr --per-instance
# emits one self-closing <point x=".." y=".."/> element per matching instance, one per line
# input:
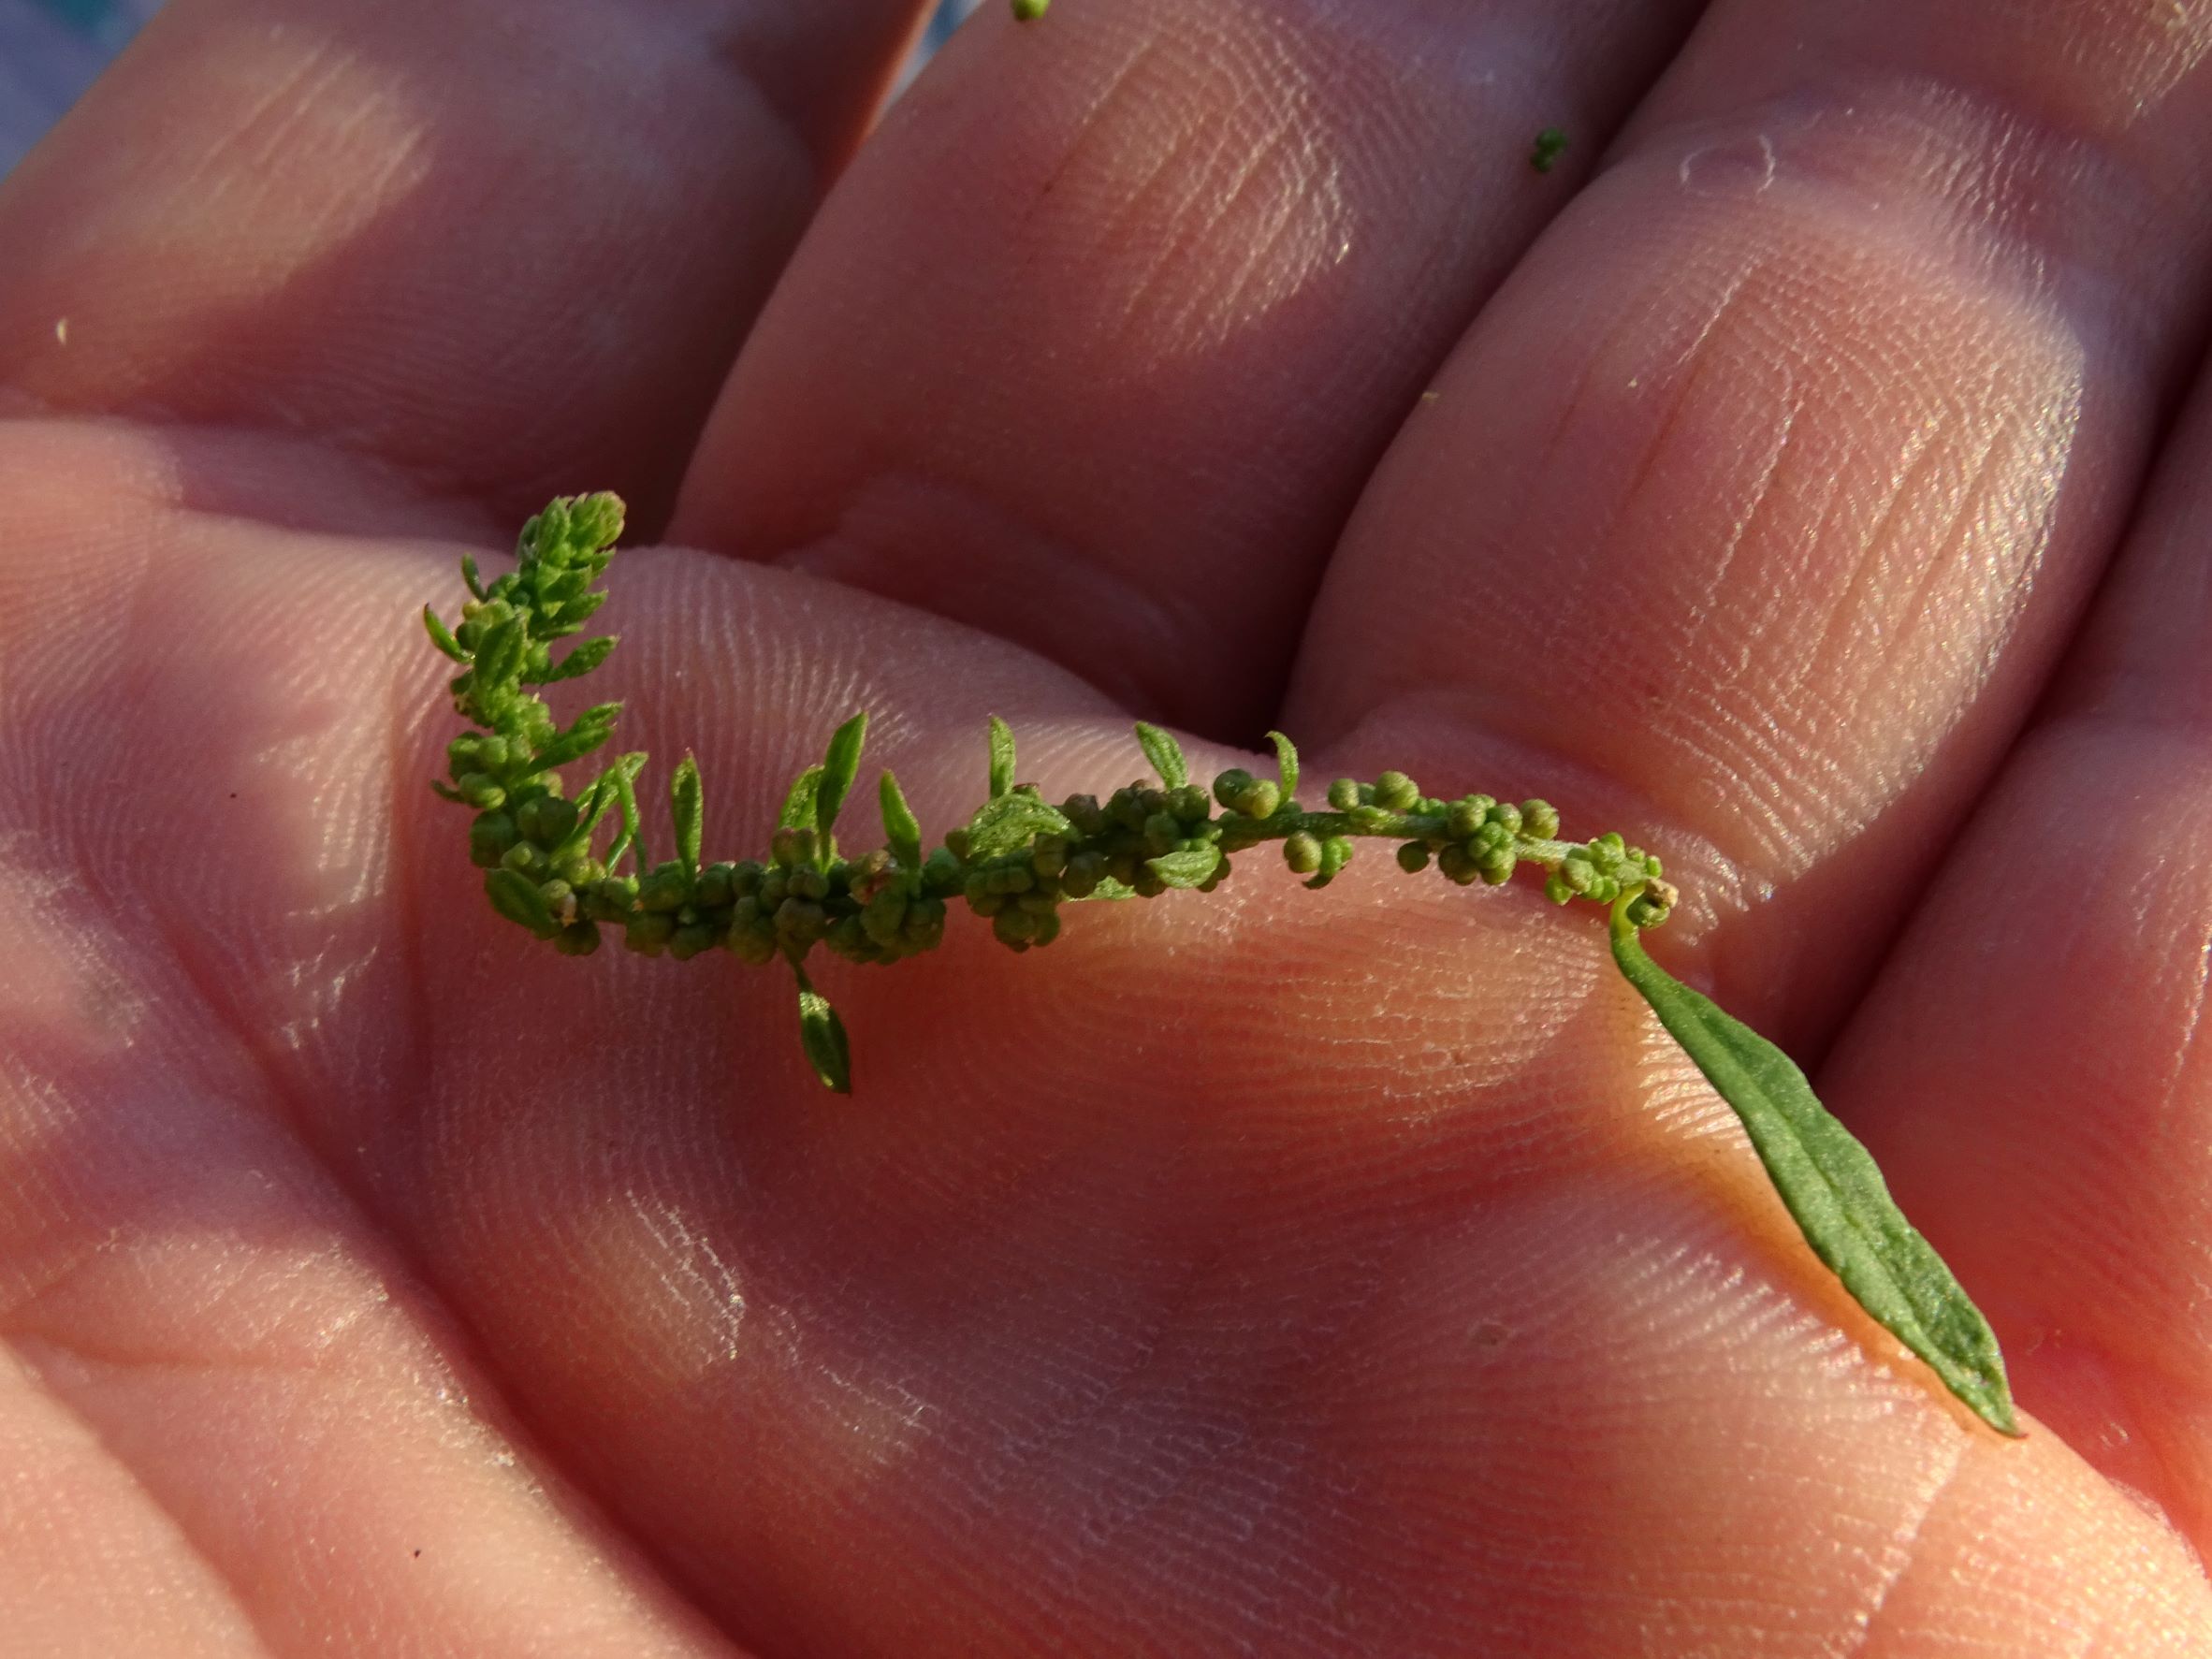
<point x="1231" y="787"/>
<point x="666" y="890"/>
<point x="1302" y="852"/>
<point x="1579" y="873"/>
<point x="1049" y="857"/>
<point x="1458" y="866"/>
<point x="1496" y="867"/>
<point x="1083" y="811"/>
<point x="579" y="938"/>
<point x="481" y="791"/>
<point x="1123" y="868"/>
<point x="1344" y="795"/>
<point x="490" y="835"/>
<point x="1147" y="884"/>
<point x="1152" y="800"/>
<point x="691" y="940"/>
<point x="789" y="850"/>
<point x="1124" y="808"/>
<point x="1396" y="792"/>
<point x="1188" y="804"/>
<point x="744" y="879"/>
<point x="801" y="920"/>
<point x="1556" y="890"/>
<point x="1261" y="800"/>
<point x="1083" y="873"/>
<point x="1413" y="857"/>
<point x="774" y="889"/>
<point x="1462" y="818"/>
<point x="885" y="914"/>
<point x="1610" y="841"/>
<point x="1506" y="816"/>
<point x="940" y="870"/>
<point x="810" y="884"/>
<point x="849" y="941"/>
<point x="526" y="860"/>
<point x="1048" y="929"/>
<point x="1015" y="928"/>
<point x="1038" y="904"/>
<point x="716" y="887"/>
<point x="648" y="934"/>
<point x="1162" y="831"/>
<point x="957" y="842"/>
<point x="1540" y="820"/>
<point x="560" y="899"/>
<point x="546" y="820"/>
<point x="755" y="945"/>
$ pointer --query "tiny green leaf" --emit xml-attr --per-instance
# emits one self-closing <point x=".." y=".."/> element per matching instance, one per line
<point x="823" y="1036"/>
<point x="516" y="897"/>
<point x="798" y="805"/>
<point x="1831" y="1186"/>
<point x="839" y="767"/>
<point x="1286" y="764"/>
<point x="469" y="575"/>
<point x="900" y="828"/>
<point x="632" y="839"/>
<point x="1186" y="869"/>
<point x="1011" y="821"/>
<point x="580" y="661"/>
<point x="1028" y="12"/>
<point x="441" y="637"/>
<point x="1002" y="757"/>
<point x="1165" y="754"/>
<point x="1544" y="153"/>
<point x="685" y="807"/>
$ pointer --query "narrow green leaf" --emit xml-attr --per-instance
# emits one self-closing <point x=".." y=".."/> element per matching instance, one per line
<point x="1832" y="1187"/>
<point x="823" y="1036"/>
<point x="1010" y="822"/>
<point x="624" y="772"/>
<point x="441" y="637"/>
<point x="798" y="805"/>
<point x="580" y="661"/>
<point x="1111" y="890"/>
<point x="1186" y="869"/>
<point x="901" y="829"/>
<point x="839" y="767"/>
<point x="500" y="651"/>
<point x="1165" y="754"/>
<point x="1286" y="764"/>
<point x="516" y="897"/>
<point x="685" y="807"/>
<point x="469" y="575"/>
<point x="584" y="734"/>
<point x="1002" y="757"/>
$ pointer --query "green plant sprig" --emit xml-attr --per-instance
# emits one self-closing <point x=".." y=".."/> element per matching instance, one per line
<point x="1020" y="859"/>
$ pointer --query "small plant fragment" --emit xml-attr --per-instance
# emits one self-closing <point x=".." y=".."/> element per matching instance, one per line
<point x="1549" y="144"/>
<point x="1028" y="12"/>
<point x="1020" y="859"/>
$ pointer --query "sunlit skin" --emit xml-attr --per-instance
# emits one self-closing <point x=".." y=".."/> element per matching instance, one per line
<point x="1803" y="476"/>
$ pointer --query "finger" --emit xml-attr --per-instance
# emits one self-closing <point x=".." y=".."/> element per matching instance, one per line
<point x="1758" y="504"/>
<point x="1206" y="258"/>
<point x="2031" y="1065"/>
<point x="494" y="259"/>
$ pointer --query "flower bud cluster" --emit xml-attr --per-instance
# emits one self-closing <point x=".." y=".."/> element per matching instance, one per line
<point x="1602" y="869"/>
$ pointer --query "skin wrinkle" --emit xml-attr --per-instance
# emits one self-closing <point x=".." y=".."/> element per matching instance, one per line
<point x="1903" y="1553"/>
<point x="242" y="1607"/>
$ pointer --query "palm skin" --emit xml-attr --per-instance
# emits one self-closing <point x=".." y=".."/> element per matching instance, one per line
<point x="1349" y="1272"/>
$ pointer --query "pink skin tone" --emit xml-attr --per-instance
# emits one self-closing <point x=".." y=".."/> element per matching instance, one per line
<point x="1803" y="479"/>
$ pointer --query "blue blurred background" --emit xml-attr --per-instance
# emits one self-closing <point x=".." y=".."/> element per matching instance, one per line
<point x="51" y="50"/>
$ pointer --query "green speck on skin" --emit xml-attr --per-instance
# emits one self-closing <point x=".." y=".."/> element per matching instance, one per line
<point x="1550" y="142"/>
<point x="1028" y="12"/>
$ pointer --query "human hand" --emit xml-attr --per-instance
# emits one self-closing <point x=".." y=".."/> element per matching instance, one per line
<point x="1347" y="1273"/>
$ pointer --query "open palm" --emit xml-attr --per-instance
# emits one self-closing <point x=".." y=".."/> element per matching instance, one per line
<point x="1356" y="1273"/>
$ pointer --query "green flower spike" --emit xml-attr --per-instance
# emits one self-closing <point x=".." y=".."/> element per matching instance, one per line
<point x="1020" y="861"/>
